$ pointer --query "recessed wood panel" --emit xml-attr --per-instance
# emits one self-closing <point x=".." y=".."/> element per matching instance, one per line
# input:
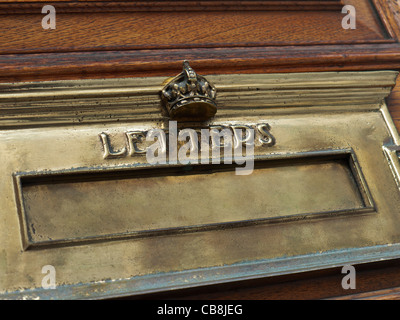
<point x="123" y="31"/>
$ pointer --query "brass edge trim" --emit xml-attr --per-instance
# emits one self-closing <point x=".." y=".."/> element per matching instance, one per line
<point x="21" y="211"/>
<point x="393" y="161"/>
<point x="391" y="150"/>
<point x="389" y="123"/>
<point x="245" y="270"/>
<point x="147" y="86"/>
<point x="110" y="100"/>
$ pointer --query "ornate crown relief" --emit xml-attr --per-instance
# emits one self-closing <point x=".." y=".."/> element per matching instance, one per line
<point x="189" y="96"/>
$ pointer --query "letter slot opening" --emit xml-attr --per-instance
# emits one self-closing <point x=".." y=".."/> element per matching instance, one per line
<point x="80" y="206"/>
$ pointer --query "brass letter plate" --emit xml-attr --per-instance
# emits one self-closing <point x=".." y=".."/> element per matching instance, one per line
<point x="97" y="181"/>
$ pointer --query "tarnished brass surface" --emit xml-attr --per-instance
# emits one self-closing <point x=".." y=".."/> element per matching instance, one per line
<point x="142" y="203"/>
<point x="323" y="191"/>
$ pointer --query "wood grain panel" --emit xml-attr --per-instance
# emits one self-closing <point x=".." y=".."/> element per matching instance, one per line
<point x="142" y="63"/>
<point x="388" y="11"/>
<point x="157" y="30"/>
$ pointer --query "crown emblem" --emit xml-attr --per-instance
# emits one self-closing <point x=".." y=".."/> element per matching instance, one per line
<point x="189" y="96"/>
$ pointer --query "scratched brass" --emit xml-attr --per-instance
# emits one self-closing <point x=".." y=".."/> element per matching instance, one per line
<point x="78" y="193"/>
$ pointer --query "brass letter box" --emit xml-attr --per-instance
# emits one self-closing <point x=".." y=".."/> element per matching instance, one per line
<point x="131" y="186"/>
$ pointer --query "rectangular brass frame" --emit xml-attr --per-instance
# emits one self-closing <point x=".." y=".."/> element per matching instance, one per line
<point x="366" y="198"/>
<point x="51" y="129"/>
